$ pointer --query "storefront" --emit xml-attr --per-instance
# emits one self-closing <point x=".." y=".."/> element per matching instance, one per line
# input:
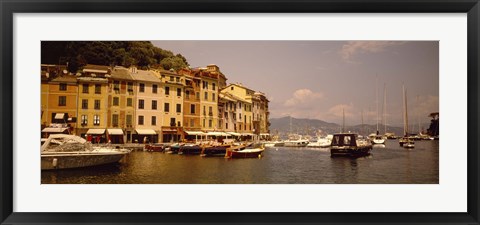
<point x="115" y="136"/>
<point x="145" y="136"/>
<point x="172" y="134"/>
<point x="195" y="136"/>
<point x="96" y="136"/>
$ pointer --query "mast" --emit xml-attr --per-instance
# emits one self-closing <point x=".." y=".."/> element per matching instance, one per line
<point x="385" y="106"/>
<point x="343" y="126"/>
<point x="363" y="126"/>
<point x="403" y="96"/>
<point x="376" y="94"/>
<point x="418" y="119"/>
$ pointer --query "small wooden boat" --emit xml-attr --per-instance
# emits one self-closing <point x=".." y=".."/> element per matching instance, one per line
<point x="242" y="152"/>
<point x="209" y="151"/>
<point x="154" y="148"/>
<point x="189" y="150"/>
<point x="348" y="144"/>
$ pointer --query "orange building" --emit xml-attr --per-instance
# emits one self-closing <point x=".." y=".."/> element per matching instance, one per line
<point x="191" y="105"/>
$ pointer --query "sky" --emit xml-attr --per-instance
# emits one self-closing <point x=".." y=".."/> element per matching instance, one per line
<point x="320" y="79"/>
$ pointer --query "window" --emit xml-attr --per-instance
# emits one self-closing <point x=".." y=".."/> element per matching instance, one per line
<point x="85" y="88"/>
<point x="226" y="126"/>
<point x="172" y="122"/>
<point x="84" y="103"/>
<point x="179" y="124"/>
<point x="129" y="102"/>
<point x="213" y="86"/>
<point x="210" y="123"/>
<point x="187" y="94"/>
<point x="154" y="120"/>
<point x="231" y="88"/>
<point x="62" y="100"/>
<point x="167" y="107"/>
<point x="116" y="101"/>
<point x="203" y="122"/>
<point x="63" y="87"/>
<point x="167" y="90"/>
<point x="154" y="104"/>
<point x="210" y="113"/>
<point x="171" y="78"/>
<point x="84" y="119"/>
<point x="141" y="103"/>
<point x="116" y="86"/>
<point x="115" y="120"/>
<point x="177" y="79"/>
<point x="179" y="108"/>
<point x="179" y="92"/>
<point x="154" y="88"/>
<point x="140" y="120"/>
<point x="98" y="88"/>
<point x="192" y="109"/>
<point x="96" y="120"/>
<point x="213" y="97"/>
<point x="197" y="96"/>
<point x="129" y="120"/>
<point x="97" y="104"/>
<point x="192" y="122"/>
<point x="130" y="88"/>
<point x="141" y="87"/>
<point x="204" y="111"/>
<point x="206" y="96"/>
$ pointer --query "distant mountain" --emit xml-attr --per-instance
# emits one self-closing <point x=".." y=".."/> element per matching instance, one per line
<point x="281" y="126"/>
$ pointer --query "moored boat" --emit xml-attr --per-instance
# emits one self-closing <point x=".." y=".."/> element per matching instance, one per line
<point x="63" y="151"/>
<point x="219" y="150"/>
<point x="154" y="147"/>
<point x="189" y="149"/>
<point x="348" y="144"/>
<point x="242" y="152"/>
<point x="296" y="143"/>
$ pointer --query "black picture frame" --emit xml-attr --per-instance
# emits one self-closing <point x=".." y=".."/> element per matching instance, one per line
<point x="10" y="7"/>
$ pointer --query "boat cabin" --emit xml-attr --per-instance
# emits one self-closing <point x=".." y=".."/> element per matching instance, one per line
<point x="344" y="140"/>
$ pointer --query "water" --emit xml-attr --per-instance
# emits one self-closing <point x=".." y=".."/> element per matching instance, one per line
<point x="389" y="165"/>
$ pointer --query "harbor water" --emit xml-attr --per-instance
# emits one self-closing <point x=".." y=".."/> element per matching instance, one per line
<point x="388" y="164"/>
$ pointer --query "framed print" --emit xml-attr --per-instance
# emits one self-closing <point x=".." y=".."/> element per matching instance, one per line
<point x="260" y="112"/>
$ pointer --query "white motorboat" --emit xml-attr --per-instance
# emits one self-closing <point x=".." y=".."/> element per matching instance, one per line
<point x="322" y="142"/>
<point x="64" y="151"/>
<point x="297" y="143"/>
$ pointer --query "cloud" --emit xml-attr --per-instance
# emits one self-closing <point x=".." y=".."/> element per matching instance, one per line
<point x="354" y="47"/>
<point x="302" y="97"/>
<point x="336" y="111"/>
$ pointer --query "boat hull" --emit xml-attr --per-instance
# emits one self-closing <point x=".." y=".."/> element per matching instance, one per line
<point x="77" y="160"/>
<point x="244" y="153"/>
<point x="190" y="150"/>
<point x="214" y="151"/>
<point x="350" y="151"/>
<point x="296" y="144"/>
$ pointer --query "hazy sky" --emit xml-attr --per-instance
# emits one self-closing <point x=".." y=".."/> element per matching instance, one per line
<point x="317" y="79"/>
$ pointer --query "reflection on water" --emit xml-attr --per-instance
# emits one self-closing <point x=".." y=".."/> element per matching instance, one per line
<point x="387" y="164"/>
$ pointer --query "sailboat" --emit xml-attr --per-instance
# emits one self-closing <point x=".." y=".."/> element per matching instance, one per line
<point x="295" y="140"/>
<point x="405" y="141"/>
<point x="377" y="139"/>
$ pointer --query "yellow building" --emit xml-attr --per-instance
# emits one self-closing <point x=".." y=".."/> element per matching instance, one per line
<point x="93" y="103"/>
<point x="244" y="107"/>
<point x="59" y="103"/>
<point x="148" y="111"/>
<point x="121" y="106"/>
<point x="173" y="86"/>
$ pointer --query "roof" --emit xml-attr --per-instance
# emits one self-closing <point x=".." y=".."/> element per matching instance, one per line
<point x="93" y="79"/>
<point x="120" y="72"/>
<point x="239" y="85"/>
<point x="145" y="75"/>
<point x="65" y="78"/>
